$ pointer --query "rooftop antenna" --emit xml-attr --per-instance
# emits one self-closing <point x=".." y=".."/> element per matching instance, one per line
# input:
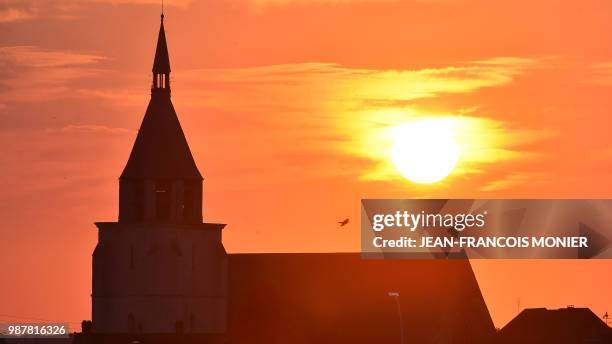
<point x="606" y="317"/>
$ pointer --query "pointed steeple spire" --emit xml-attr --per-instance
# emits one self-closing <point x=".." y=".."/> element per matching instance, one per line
<point x="161" y="65"/>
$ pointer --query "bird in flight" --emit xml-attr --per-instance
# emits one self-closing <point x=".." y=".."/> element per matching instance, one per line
<point x="343" y="222"/>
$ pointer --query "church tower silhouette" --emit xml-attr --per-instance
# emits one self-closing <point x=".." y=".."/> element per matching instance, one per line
<point x="159" y="269"/>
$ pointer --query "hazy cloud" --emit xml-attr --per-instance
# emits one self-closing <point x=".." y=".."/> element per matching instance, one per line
<point x="329" y="82"/>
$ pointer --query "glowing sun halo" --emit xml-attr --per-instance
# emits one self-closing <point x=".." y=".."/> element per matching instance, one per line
<point x="425" y="151"/>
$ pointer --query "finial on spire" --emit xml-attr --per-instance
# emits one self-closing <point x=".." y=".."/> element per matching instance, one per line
<point x="162" y="14"/>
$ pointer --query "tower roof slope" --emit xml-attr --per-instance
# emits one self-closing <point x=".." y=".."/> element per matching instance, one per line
<point x="161" y="150"/>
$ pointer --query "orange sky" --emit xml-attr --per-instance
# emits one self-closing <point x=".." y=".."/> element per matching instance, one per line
<point x="283" y="103"/>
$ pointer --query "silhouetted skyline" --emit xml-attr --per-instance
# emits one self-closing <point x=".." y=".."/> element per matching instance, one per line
<point x="283" y="107"/>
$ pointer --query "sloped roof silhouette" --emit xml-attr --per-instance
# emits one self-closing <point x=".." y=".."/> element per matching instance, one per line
<point x="342" y="298"/>
<point x="559" y="326"/>
<point x="161" y="150"/>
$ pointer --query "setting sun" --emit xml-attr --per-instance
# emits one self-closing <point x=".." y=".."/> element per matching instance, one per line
<point x="425" y="151"/>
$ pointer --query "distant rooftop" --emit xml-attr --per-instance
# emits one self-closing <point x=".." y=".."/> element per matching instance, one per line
<point x="564" y="325"/>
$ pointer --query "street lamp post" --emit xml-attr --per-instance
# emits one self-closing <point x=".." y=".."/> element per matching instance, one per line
<point x="395" y="295"/>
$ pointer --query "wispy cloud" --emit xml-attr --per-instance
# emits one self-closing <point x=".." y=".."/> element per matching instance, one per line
<point x="8" y="15"/>
<point x="29" y="56"/>
<point x="92" y="129"/>
<point x="178" y="3"/>
<point x="329" y="82"/>
<point x="310" y="2"/>
<point x="517" y="179"/>
<point x="601" y="73"/>
<point x="20" y="10"/>
<point x="33" y="74"/>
